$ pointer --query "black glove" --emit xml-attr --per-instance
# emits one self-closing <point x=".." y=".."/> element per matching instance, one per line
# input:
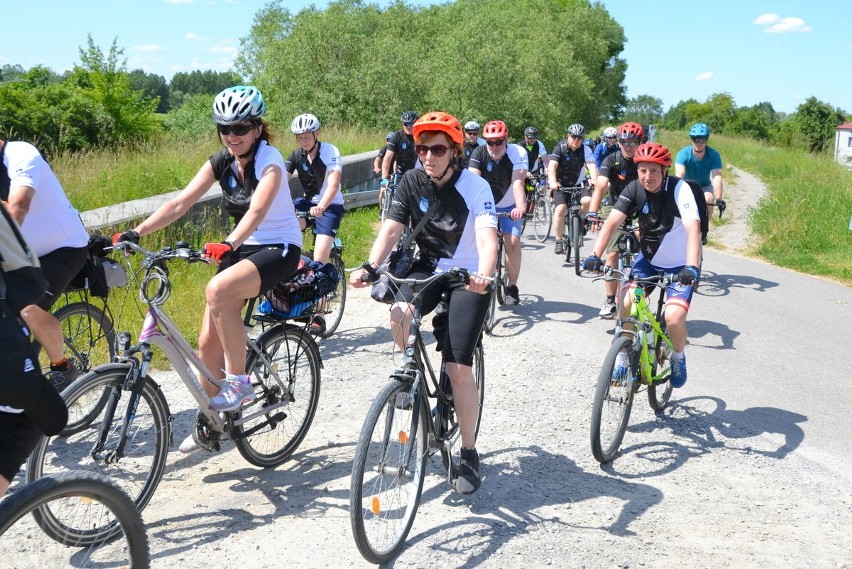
<point x="592" y="263"/>
<point x="128" y="235"/>
<point x="688" y="275"/>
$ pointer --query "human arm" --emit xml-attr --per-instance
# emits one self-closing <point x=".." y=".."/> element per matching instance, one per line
<point x="600" y="188"/>
<point x="716" y="182"/>
<point x="613" y="221"/>
<point x="386" y="163"/>
<point x="486" y="246"/>
<point x="520" y="195"/>
<point x="680" y="171"/>
<point x="331" y="191"/>
<point x="268" y="186"/>
<point x="20" y="200"/>
<point x="386" y="240"/>
<point x="551" y="175"/>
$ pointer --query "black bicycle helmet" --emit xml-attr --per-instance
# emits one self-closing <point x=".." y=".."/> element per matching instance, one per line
<point x="409" y="116"/>
<point x="531" y="132"/>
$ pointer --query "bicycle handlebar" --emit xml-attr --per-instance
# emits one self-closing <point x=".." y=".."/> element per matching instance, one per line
<point x="720" y="204"/>
<point x="461" y="274"/>
<point x="181" y="250"/>
<point x="661" y="279"/>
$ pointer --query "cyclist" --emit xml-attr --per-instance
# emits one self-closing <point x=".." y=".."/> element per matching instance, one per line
<point x="53" y="229"/>
<point x="607" y="147"/>
<point x="462" y="233"/>
<point x="670" y="240"/>
<point x="536" y="152"/>
<point x="568" y="163"/>
<point x="261" y="250"/>
<point x="319" y="168"/>
<point x="399" y="151"/>
<point x="701" y="163"/>
<point x="504" y="167"/>
<point x="472" y="141"/>
<point x="380" y="156"/>
<point x="618" y="170"/>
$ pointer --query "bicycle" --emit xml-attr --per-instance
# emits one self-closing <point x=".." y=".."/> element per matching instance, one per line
<point x="411" y="418"/>
<point x="640" y="355"/>
<point x="572" y="239"/>
<point x="89" y="521"/>
<point x="128" y="439"/>
<point x="542" y="212"/>
<point x="534" y="187"/>
<point x="334" y="302"/>
<point x="501" y="281"/>
<point x="388" y="194"/>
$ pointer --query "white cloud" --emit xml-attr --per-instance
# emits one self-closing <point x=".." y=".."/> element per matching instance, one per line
<point x="192" y="36"/>
<point x="775" y="24"/>
<point x="147" y="48"/>
<point x="706" y="76"/>
<point x="224" y="49"/>
<point x="178" y="1"/>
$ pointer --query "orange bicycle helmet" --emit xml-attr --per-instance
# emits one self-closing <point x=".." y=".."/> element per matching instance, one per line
<point x="440" y="121"/>
<point x="653" y="152"/>
<point x="631" y="131"/>
<point x="495" y="130"/>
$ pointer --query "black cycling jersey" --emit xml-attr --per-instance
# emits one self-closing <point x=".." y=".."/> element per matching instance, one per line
<point x="497" y="174"/>
<point x="656" y="212"/>
<point x="620" y="171"/>
<point x="311" y="174"/>
<point x="570" y="163"/>
<point x="402" y="146"/>
<point x="237" y="196"/>
<point x="468" y="148"/>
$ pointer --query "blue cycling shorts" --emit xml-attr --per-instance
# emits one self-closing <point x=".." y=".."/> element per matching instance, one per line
<point x="508" y="225"/>
<point x="677" y="294"/>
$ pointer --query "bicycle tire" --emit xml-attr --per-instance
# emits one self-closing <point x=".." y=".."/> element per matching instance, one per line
<point x="386" y="486"/>
<point x="448" y="417"/>
<point x="385" y="205"/>
<point x="576" y="241"/>
<point x="659" y="392"/>
<point x="612" y="403"/>
<point x="502" y="279"/>
<point x="141" y="468"/>
<point x="542" y="220"/>
<point x="77" y="494"/>
<point x="335" y="302"/>
<point x="491" y="314"/>
<point x="269" y="440"/>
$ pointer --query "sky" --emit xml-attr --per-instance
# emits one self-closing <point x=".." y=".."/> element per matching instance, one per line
<point x="777" y="51"/>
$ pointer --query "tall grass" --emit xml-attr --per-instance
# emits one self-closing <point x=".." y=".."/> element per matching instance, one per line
<point x="803" y="222"/>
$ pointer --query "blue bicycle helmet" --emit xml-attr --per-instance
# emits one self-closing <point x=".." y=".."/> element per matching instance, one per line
<point x="699" y="130"/>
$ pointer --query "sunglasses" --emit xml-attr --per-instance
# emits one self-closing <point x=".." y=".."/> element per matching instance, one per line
<point x="575" y="136"/>
<point x="629" y="143"/>
<point x="408" y="124"/>
<point x="495" y="142"/>
<point x="437" y="150"/>
<point x="236" y="129"/>
<point x="699" y="140"/>
<point x="471" y="132"/>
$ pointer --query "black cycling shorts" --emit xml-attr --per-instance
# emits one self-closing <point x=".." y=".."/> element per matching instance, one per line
<point x="60" y="267"/>
<point x="274" y="263"/>
<point x="564" y="198"/>
<point x="18" y="438"/>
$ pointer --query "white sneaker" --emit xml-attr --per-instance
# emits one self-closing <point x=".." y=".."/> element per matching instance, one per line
<point x="188" y="445"/>
<point x="608" y="310"/>
<point x="236" y="391"/>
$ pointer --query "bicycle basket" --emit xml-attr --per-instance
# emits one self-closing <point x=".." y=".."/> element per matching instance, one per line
<point x="301" y="292"/>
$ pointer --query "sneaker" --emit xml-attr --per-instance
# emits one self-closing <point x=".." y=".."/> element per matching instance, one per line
<point x="512" y="294"/>
<point x="236" y="392"/>
<point x="468" y="479"/>
<point x="188" y="445"/>
<point x="317" y="326"/>
<point x="62" y="379"/>
<point x="608" y="310"/>
<point x="559" y="250"/>
<point x="619" y="372"/>
<point x="678" y="378"/>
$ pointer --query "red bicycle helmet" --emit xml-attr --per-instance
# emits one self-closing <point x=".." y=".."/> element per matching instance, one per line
<point x="495" y="130"/>
<point x="631" y="131"/>
<point x="440" y="121"/>
<point x="653" y="152"/>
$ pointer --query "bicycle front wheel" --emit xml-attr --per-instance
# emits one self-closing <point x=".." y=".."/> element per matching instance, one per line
<point x="448" y="427"/>
<point x="660" y="391"/>
<point x="613" y="399"/>
<point x="78" y="505"/>
<point x="576" y="241"/>
<point x="95" y="446"/>
<point x="491" y="315"/>
<point x="286" y="380"/>
<point x="388" y="472"/>
<point x="542" y="219"/>
<point x="88" y="333"/>
<point x="501" y="281"/>
<point x="335" y="301"/>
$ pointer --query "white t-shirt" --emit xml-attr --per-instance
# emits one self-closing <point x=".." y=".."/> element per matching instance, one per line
<point x="52" y="222"/>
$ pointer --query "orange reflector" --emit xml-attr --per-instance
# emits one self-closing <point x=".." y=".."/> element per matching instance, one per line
<point x="403" y="437"/>
<point x="376" y="506"/>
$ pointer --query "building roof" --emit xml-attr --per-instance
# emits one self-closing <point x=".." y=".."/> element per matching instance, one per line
<point x="844" y="126"/>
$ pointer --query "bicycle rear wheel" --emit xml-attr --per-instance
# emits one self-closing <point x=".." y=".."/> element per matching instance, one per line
<point x="542" y="219"/>
<point x="79" y="506"/>
<point x="88" y="333"/>
<point x="447" y="427"/>
<point x="660" y="391"/>
<point x="613" y="399"/>
<point x="335" y="301"/>
<point x="388" y="472"/>
<point x="576" y="241"/>
<point x="139" y="470"/>
<point x="287" y="389"/>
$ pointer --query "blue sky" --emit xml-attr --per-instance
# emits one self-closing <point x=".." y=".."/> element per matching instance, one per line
<point x="778" y="51"/>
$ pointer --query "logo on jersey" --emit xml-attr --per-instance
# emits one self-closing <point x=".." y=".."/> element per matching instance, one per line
<point x="646" y="208"/>
<point x="232" y="181"/>
<point x="28" y="365"/>
<point x="489" y="166"/>
<point x="489" y="205"/>
<point x="305" y="166"/>
<point x="404" y="145"/>
<point x="424" y="204"/>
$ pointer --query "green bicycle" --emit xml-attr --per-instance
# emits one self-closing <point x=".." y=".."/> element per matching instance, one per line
<point x="640" y="356"/>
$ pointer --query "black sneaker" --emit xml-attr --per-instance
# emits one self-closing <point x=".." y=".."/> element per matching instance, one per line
<point x="560" y="249"/>
<point x="317" y="326"/>
<point x="468" y="480"/>
<point x="512" y="294"/>
<point x="62" y="379"/>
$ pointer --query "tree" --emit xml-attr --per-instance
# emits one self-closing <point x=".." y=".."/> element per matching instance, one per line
<point x="644" y="109"/>
<point x="815" y="121"/>
<point x="757" y="122"/>
<point x="203" y="82"/>
<point x="154" y="87"/>
<point x="676" y="117"/>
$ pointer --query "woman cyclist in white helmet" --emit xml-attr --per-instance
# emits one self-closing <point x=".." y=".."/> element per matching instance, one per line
<point x="262" y="249"/>
<point x="319" y="167"/>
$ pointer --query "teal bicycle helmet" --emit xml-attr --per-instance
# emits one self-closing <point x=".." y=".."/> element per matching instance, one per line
<point x="699" y="130"/>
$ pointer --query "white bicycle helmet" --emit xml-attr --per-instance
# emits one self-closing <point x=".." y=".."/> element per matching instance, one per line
<point x="471" y="125"/>
<point x="304" y="123"/>
<point x="238" y="104"/>
<point x="610" y="132"/>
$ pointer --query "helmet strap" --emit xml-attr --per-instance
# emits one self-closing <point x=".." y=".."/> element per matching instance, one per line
<point x="251" y="151"/>
<point x="437" y="179"/>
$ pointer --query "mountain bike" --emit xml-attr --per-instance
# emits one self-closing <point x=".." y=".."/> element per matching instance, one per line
<point x="534" y="188"/>
<point x="501" y="280"/>
<point x="332" y="305"/>
<point x="572" y="239"/>
<point x="128" y="439"/>
<point x="640" y="356"/>
<point x="79" y="519"/>
<point x="411" y="418"/>
<point x="388" y="194"/>
<point x="542" y="212"/>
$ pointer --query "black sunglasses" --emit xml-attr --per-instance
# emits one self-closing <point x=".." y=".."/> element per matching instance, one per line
<point x="495" y="142"/>
<point x="236" y="129"/>
<point x="437" y="150"/>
